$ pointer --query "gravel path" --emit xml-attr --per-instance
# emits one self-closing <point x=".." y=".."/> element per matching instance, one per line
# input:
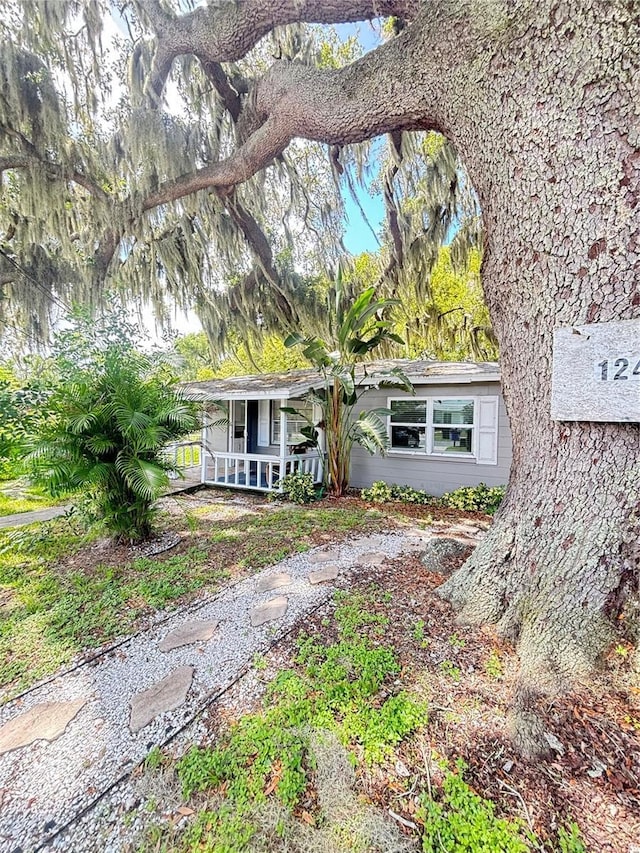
<point x="47" y="784"/>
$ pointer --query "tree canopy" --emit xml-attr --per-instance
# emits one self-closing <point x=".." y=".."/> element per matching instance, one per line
<point x="115" y="125"/>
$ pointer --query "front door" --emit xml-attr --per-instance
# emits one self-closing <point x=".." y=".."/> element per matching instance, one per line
<point x="252" y="426"/>
<point x="239" y="427"/>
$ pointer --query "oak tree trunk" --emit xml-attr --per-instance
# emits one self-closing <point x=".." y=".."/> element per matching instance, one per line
<point x="550" y="138"/>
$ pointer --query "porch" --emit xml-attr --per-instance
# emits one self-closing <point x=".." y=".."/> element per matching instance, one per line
<point x="257" y="471"/>
<point x="252" y="431"/>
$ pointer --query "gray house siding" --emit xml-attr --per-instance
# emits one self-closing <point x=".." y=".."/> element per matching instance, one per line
<point x="435" y="475"/>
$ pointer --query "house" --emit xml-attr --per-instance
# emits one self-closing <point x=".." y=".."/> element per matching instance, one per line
<point x="452" y="432"/>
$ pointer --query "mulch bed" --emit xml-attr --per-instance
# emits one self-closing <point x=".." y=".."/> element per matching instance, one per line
<point x="594" y="782"/>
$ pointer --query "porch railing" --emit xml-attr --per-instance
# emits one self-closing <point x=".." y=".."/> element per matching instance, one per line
<point x="257" y="471"/>
<point x="185" y="455"/>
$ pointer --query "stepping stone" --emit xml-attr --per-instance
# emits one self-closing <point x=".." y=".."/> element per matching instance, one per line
<point x="274" y="581"/>
<point x="46" y="721"/>
<point x="326" y="573"/>
<point x="275" y="608"/>
<point x="190" y="632"/>
<point x="372" y="558"/>
<point x="322" y="557"/>
<point x="166" y="695"/>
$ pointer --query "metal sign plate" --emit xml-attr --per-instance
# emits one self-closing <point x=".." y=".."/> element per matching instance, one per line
<point x="596" y="372"/>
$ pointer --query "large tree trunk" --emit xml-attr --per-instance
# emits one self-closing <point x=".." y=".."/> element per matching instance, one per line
<point x="551" y="143"/>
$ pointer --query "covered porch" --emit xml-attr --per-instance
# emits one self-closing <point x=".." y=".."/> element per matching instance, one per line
<point x="247" y="441"/>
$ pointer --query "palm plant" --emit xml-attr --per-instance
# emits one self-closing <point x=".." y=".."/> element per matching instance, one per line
<point x="112" y="417"/>
<point x="357" y="330"/>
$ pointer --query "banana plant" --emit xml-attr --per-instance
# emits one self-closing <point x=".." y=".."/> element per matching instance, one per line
<point x="358" y="330"/>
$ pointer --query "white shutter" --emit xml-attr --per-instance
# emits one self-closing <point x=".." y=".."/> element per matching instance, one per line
<point x="264" y="412"/>
<point x="487" y="421"/>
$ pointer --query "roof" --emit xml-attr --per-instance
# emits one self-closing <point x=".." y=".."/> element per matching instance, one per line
<point x="295" y="383"/>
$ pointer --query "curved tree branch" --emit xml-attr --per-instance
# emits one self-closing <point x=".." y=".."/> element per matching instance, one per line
<point x="295" y="100"/>
<point x="226" y="31"/>
<point x="54" y="170"/>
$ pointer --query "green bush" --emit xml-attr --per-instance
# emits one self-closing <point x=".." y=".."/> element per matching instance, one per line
<point x="380" y="492"/>
<point x="112" y="412"/>
<point x="480" y="498"/>
<point x="298" y="488"/>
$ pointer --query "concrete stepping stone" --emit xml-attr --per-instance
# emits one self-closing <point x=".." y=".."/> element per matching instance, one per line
<point x="323" y="557"/>
<point x="372" y="558"/>
<point x="166" y="695"/>
<point x="273" y="581"/>
<point x="190" y="632"/>
<point x="326" y="573"/>
<point x="275" y="608"/>
<point x="46" y="721"/>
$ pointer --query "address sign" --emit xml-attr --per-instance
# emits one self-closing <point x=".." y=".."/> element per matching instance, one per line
<point x="596" y="372"/>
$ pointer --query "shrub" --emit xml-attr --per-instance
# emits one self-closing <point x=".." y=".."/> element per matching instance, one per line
<point x="380" y="492"/>
<point x="112" y="413"/>
<point x="480" y="498"/>
<point x="298" y="488"/>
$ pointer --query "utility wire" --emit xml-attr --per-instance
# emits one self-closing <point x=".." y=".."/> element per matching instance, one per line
<point x="24" y="334"/>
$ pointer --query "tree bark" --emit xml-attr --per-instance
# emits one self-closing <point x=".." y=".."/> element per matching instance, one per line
<point x="551" y="143"/>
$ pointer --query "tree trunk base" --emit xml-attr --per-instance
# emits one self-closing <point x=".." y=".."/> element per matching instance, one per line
<point x="562" y="598"/>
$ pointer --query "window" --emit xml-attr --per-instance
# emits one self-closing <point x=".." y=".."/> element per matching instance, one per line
<point x="452" y="426"/>
<point x="408" y="424"/>
<point x="435" y="426"/>
<point x="294" y="422"/>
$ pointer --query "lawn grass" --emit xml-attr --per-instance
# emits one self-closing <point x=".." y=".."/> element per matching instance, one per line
<point x="266" y="538"/>
<point x="54" y="603"/>
<point x="48" y="615"/>
<point x="17" y="496"/>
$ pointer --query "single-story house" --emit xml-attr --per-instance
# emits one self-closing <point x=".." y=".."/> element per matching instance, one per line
<point x="452" y="432"/>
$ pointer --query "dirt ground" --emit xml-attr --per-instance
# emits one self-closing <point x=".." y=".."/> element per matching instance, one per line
<point x="467" y="676"/>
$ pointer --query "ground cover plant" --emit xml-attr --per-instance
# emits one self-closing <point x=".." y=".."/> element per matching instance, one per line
<point x="480" y="498"/>
<point x="361" y="743"/>
<point x="64" y="589"/>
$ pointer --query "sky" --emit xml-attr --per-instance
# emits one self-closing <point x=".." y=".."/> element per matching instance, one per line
<point x="358" y="235"/>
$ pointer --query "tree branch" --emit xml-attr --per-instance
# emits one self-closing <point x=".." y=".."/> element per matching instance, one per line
<point x="54" y="170"/>
<point x="226" y="31"/>
<point x="295" y="100"/>
<point x="253" y="235"/>
<point x="223" y="87"/>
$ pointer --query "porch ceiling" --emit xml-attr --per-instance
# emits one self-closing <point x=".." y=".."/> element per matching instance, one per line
<point x="295" y="383"/>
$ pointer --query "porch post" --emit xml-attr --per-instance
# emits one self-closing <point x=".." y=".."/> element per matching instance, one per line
<point x="283" y="440"/>
<point x="203" y="442"/>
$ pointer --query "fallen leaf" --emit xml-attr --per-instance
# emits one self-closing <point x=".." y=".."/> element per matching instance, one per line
<point x="185" y="811"/>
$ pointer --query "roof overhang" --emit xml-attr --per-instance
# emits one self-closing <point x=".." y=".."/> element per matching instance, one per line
<point x="296" y="383"/>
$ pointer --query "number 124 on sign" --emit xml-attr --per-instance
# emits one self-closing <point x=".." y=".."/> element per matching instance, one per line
<point x="618" y="368"/>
